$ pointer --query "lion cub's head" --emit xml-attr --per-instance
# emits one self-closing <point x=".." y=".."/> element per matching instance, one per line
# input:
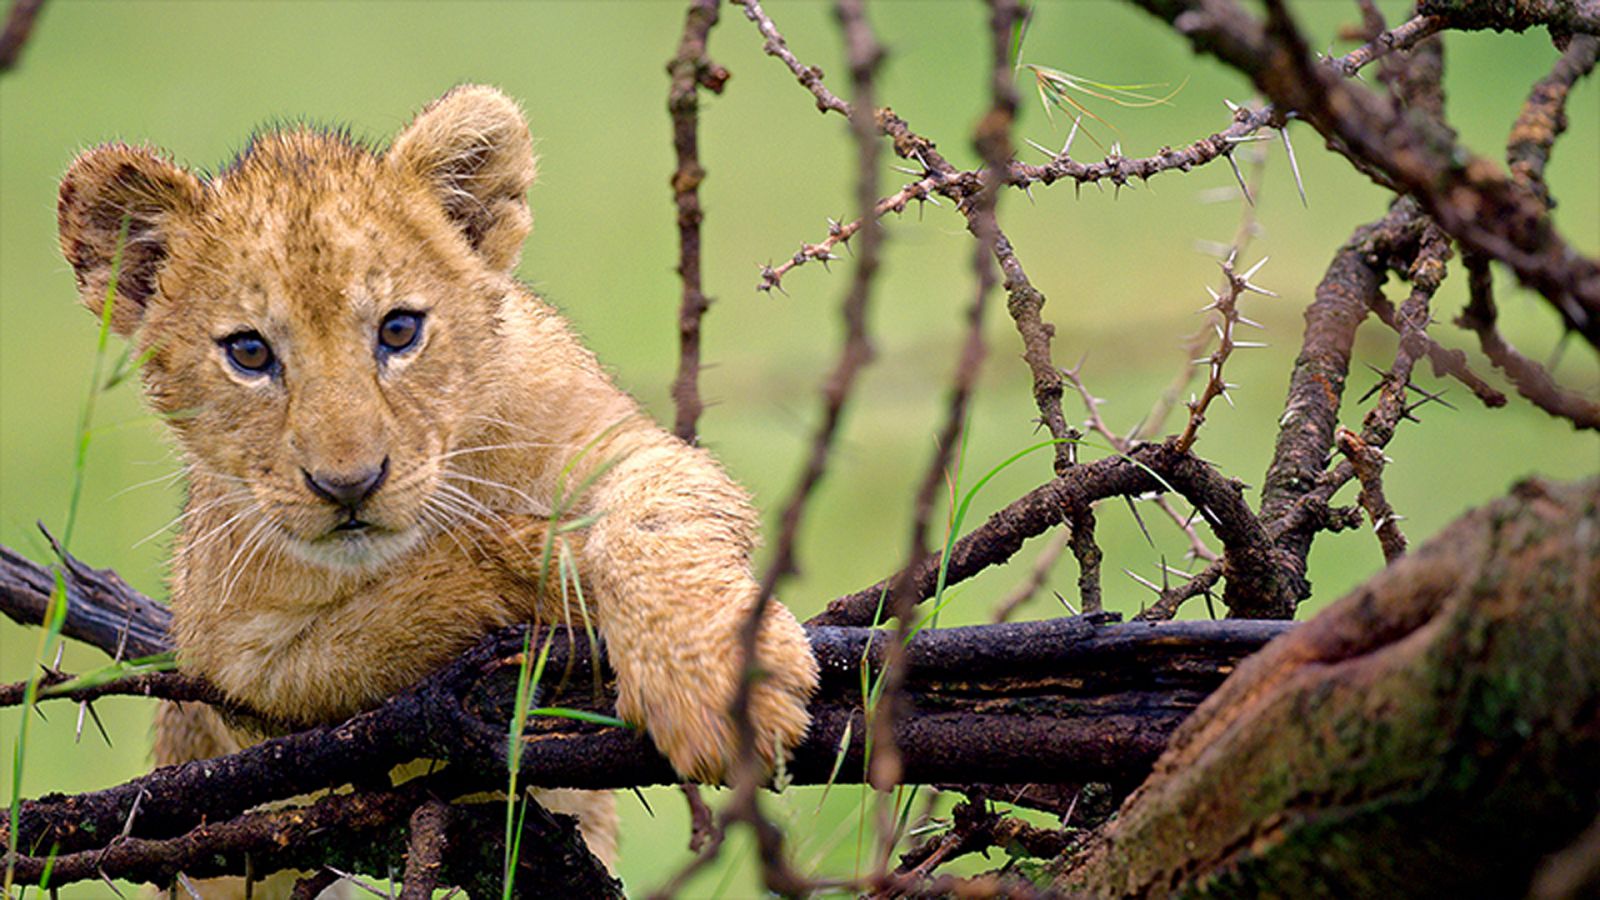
<point x="319" y="320"/>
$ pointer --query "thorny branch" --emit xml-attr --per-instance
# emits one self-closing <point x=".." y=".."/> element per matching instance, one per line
<point x="1148" y="468"/>
<point x="959" y="185"/>
<point x="1469" y="197"/>
<point x="691" y="70"/>
<point x="1367" y="462"/>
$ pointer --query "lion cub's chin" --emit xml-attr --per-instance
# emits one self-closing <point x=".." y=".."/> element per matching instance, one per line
<point x="355" y="550"/>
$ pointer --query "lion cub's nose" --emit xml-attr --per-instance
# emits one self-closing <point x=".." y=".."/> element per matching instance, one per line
<point x="348" y="491"/>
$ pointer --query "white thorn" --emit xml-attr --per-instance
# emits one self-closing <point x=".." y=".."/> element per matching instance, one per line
<point x="1146" y="582"/>
<point x="1294" y="166"/>
<point x="1244" y="188"/>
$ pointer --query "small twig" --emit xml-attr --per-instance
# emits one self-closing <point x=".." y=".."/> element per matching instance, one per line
<point x="1024" y="302"/>
<point x="1154" y="424"/>
<point x="1445" y="361"/>
<point x="841" y="233"/>
<point x="1401" y="37"/>
<point x="164" y="685"/>
<point x="809" y="76"/>
<point x="1426" y="271"/>
<point x="1227" y="309"/>
<point x="1367" y="462"/>
<point x="1080" y="539"/>
<point x="1531" y="379"/>
<point x="1120" y="170"/>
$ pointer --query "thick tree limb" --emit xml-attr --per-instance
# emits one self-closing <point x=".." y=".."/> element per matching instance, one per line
<point x="1001" y="704"/>
<point x="1432" y="734"/>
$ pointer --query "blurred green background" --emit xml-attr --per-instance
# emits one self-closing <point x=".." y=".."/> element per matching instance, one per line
<point x="1124" y="276"/>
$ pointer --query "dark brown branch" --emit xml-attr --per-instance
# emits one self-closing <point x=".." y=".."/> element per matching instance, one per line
<point x="1531" y="379"/>
<point x="1367" y="462"/>
<point x="691" y="70"/>
<point x="1544" y="116"/>
<point x="425" y="849"/>
<point x="102" y="610"/>
<point x="19" y="26"/>
<point x="1400" y="37"/>
<point x="1516" y="15"/>
<point x="1316" y="385"/>
<point x="162" y="685"/>
<point x="1469" y="197"/>
<point x="992" y="703"/>
<point x="362" y="830"/>
<point x="1148" y="468"/>
<point x="865" y="58"/>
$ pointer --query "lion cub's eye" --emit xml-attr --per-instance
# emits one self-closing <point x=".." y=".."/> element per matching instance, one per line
<point x="399" y="331"/>
<point x="249" y="352"/>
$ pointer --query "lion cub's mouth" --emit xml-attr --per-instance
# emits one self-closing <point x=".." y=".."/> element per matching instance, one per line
<point x="356" y="544"/>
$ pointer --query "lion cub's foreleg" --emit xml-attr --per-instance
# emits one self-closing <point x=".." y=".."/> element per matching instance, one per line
<point x="668" y="560"/>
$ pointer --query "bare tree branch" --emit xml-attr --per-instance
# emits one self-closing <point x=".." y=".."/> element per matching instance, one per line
<point x="691" y="70"/>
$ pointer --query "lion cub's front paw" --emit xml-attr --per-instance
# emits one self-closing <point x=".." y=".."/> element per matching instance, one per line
<point x="683" y="696"/>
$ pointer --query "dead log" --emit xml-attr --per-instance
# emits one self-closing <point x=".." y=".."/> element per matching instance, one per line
<point x="1063" y="701"/>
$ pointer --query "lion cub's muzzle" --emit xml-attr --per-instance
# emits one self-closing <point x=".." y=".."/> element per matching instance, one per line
<point x="348" y="490"/>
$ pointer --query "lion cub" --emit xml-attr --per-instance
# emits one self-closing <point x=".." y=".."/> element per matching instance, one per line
<point x="378" y="422"/>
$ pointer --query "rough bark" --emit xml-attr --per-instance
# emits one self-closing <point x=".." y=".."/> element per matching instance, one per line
<point x="1432" y="734"/>
<point x="1063" y="701"/>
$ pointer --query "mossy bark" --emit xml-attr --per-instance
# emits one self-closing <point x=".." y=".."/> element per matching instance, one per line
<point x="1435" y="733"/>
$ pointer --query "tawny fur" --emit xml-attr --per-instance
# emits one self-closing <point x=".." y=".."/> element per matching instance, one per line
<point x="490" y="426"/>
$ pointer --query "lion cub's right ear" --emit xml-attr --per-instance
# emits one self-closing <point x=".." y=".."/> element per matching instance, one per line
<point x="109" y="189"/>
<point x="471" y="147"/>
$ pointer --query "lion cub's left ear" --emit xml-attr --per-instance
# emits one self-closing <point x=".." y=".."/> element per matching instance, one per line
<point x="472" y="148"/>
